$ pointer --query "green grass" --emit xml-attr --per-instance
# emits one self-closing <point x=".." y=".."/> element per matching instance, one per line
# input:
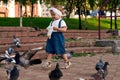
<point x="72" y="23"/>
<point x="83" y="54"/>
<point x="1" y="64"/>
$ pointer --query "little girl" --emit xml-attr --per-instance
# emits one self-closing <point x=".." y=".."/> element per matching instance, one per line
<point x="56" y="43"/>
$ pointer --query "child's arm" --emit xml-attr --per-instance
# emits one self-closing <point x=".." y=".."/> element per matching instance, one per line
<point x="62" y="29"/>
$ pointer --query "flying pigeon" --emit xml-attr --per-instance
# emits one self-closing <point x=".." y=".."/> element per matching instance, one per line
<point x="20" y="60"/>
<point x="16" y="41"/>
<point x="2" y="57"/>
<point x="55" y="74"/>
<point x="24" y="60"/>
<point x="10" y="60"/>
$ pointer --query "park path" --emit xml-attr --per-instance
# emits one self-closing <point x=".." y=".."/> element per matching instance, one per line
<point x="82" y="67"/>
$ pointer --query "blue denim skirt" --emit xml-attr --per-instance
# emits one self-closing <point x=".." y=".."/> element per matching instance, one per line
<point x="56" y="44"/>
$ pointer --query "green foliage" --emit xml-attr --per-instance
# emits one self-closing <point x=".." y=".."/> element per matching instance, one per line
<point x="5" y="1"/>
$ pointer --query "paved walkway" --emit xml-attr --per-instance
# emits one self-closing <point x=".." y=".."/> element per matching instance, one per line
<point x="82" y="67"/>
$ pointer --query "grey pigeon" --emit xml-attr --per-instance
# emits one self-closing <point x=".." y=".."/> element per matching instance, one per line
<point x="99" y="65"/>
<point x="20" y="60"/>
<point x="2" y="57"/>
<point x="10" y="50"/>
<point x="69" y="54"/>
<point x="16" y="41"/>
<point x="102" y="68"/>
<point x="24" y="60"/>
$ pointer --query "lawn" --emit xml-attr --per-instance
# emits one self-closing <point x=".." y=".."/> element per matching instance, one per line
<point x="92" y="23"/>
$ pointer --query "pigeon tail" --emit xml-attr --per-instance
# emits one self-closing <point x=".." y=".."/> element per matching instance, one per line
<point x="57" y="66"/>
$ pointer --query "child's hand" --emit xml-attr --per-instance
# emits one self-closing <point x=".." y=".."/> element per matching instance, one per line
<point x="55" y="28"/>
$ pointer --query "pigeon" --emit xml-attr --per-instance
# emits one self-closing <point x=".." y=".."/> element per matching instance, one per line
<point x="11" y="69"/>
<point x="105" y="69"/>
<point x="13" y="74"/>
<point x="2" y="58"/>
<point x="99" y="65"/>
<point x="9" y="51"/>
<point x="7" y="54"/>
<point x="20" y="60"/>
<point x="55" y="74"/>
<point x="10" y="60"/>
<point x="102" y="67"/>
<point x="16" y="41"/>
<point x="42" y="34"/>
<point x="29" y="54"/>
<point x="36" y="28"/>
<point x="24" y="60"/>
<point x="69" y="55"/>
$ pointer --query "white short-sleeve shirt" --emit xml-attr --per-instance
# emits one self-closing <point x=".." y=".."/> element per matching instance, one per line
<point x="55" y="23"/>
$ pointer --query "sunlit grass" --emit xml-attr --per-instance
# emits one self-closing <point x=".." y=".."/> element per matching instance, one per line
<point x="72" y="23"/>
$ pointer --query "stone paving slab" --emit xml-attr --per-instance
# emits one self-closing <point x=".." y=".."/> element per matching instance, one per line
<point x="83" y="67"/>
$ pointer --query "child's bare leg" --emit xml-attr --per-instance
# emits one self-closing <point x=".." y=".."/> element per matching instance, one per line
<point x="65" y="57"/>
<point x="49" y="57"/>
<point x="67" y="62"/>
<point x="47" y="64"/>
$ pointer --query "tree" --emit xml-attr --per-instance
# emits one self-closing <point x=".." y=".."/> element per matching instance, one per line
<point x="113" y="7"/>
<point x="69" y="7"/>
<point x="32" y="2"/>
<point x="24" y="3"/>
<point x="21" y="2"/>
<point x="6" y="1"/>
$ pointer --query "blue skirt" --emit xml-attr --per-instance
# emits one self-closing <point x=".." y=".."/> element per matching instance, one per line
<point x="56" y="44"/>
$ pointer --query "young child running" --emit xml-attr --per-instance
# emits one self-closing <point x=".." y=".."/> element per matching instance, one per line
<point x="56" y="43"/>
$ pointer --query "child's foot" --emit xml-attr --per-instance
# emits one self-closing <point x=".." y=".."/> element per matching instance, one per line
<point x="46" y="65"/>
<point x="67" y="64"/>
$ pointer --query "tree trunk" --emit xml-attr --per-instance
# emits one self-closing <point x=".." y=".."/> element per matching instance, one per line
<point x="111" y="19"/>
<point x="31" y="18"/>
<point x="20" y="14"/>
<point x="80" y="26"/>
<point x="116" y="28"/>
